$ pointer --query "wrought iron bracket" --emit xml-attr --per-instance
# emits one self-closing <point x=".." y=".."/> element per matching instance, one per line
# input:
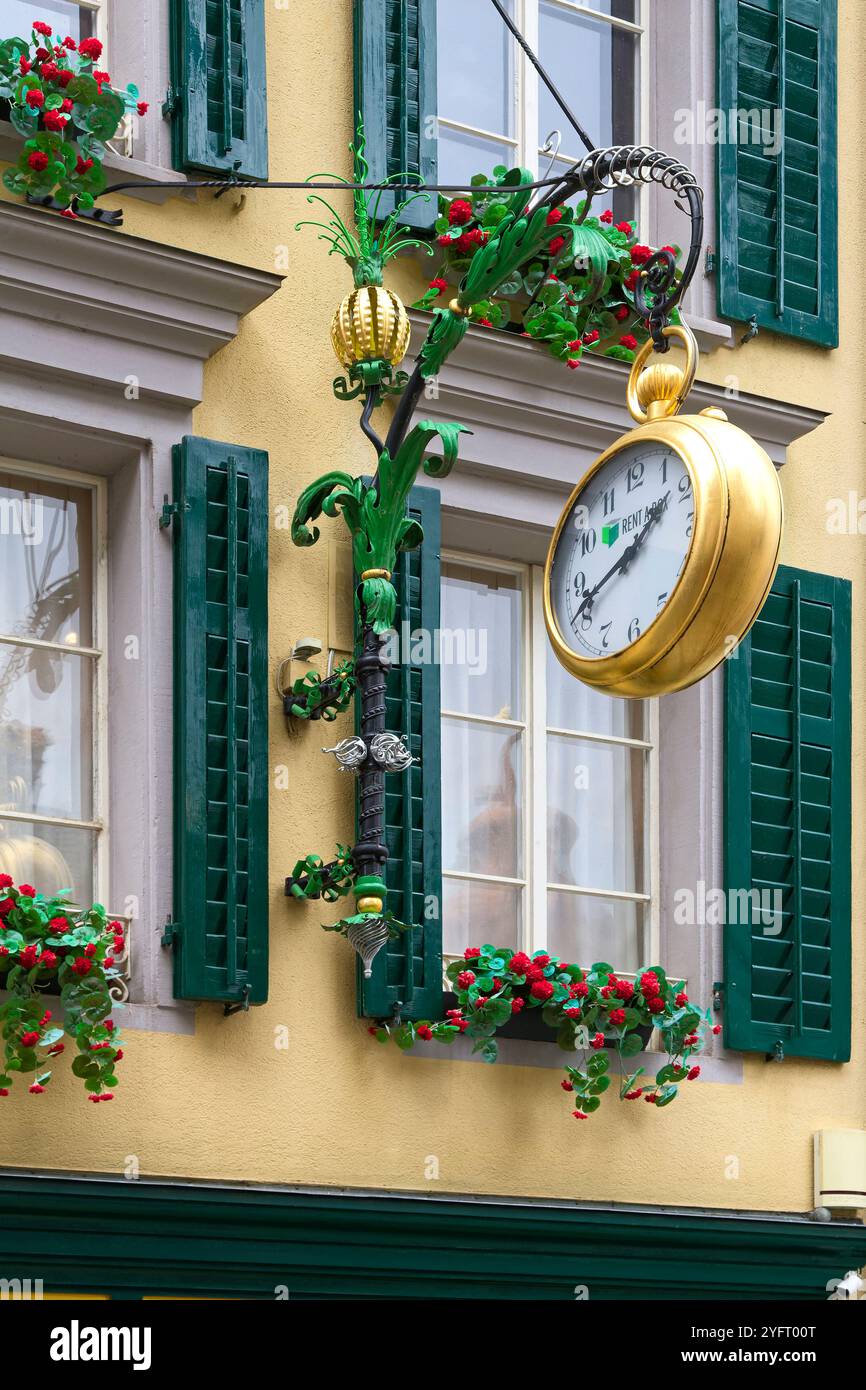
<point x="106" y="216"/>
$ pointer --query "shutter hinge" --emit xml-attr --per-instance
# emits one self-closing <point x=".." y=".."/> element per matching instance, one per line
<point x="171" y="105"/>
<point x="169" y="511"/>
<point x="710" y="263"/>
<point x="718" y="986"/>
<point x="242" y="1007"/>
<point x="778" y="1053"/>
<point x="751" y="332"/>
<point x="170" y="933"/>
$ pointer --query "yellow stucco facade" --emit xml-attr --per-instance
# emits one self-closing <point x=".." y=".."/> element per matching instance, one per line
<point x="295" y="1092"/>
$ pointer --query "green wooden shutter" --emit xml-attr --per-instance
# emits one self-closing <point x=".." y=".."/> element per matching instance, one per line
<point x="395" y="93"/>
<point x="220" y="931"/>
<point x="788" y="821"/>
<point x="777" y="212"/>
<point x="218" y="101"/>
<point x="409" y="970"/>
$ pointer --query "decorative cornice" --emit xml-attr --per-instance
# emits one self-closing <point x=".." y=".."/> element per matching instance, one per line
<point x="73" y="293"/>
<point x="536" y="428"/>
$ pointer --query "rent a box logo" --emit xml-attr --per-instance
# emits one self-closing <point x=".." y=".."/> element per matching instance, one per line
<point x="611" y="531"/>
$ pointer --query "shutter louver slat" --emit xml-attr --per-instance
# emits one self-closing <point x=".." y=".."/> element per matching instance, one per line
<point x="787" y="822"/>
<point x="409" y="970"/>
<point x="778" y="256"/>
<point x="220" y="719"/>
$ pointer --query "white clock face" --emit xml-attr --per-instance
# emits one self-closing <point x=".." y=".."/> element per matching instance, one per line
<point x="622" y="550"/>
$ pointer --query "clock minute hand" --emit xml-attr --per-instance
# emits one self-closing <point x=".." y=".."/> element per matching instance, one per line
<point x="625" y="558"/>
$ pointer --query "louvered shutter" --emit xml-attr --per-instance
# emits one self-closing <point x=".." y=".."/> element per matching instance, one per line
<point x="218" y="102"/>
<point x="788" y="822"/>
<point x="220" y="931"/>
<point x="777" y="212"/>
<point x="395" y="93"/>
<point x="409" y="970"/>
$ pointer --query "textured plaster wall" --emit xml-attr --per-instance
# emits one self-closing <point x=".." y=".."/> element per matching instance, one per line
<point x="333" y="1108"/>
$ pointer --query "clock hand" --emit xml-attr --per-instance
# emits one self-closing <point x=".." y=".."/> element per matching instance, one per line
<point x="625" y="558"/>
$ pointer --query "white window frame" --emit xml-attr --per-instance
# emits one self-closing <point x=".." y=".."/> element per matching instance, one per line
<point x="97" y="654"/>
<point x="535" y="729"/>
<point x="525" y="142"/>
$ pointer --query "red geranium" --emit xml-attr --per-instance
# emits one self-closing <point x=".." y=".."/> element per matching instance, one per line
<point x="465" y="979"/>
<point x="91" y="48"/>
<point x="460" y="212"/>
<point x="35" y="98"/>
<point x="40" y="27"/>
<point x="541" y="989"/>
<point x="519" y="963"/>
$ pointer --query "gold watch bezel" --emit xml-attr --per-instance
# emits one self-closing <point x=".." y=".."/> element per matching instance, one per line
<point x="710" y="492"/>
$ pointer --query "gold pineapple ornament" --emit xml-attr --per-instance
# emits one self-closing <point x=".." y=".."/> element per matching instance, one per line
<point x="370" y="330"/>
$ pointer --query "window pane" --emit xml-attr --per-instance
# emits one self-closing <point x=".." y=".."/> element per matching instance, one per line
<point x="477" y="912"/>
<point x="595" y="815"/>
<point x="573" y="705"/>
<point x="17" y="18"/>
<point x="482" y="820"/>
<point x="474" y="68"/>
<point x="46" y="732"/>
<point x="462" y="155"/>
<point x="583" y="930"/>
<point x="50" y="857"/>
<point x="594" y="65"/>
<point x="481" y="641"/>
<point x="46" y="560"/>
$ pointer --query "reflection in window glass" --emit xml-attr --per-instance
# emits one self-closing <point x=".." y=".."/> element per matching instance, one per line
<point x="47" y="679"/>
<point x="481" y="768"/>
<point x="481" y="643"/>
<point x="474" y="68"/>
<point x="595" y="815"/>
<point x="65" y="18"/>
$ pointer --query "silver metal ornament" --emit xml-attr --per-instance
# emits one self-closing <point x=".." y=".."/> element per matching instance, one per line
<point x="390" y="752"/>
<point x="368" y="938"/>
<point x="349" y="752"/>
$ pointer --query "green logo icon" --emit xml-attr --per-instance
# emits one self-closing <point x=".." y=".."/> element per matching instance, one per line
<point x="609" y="533"/>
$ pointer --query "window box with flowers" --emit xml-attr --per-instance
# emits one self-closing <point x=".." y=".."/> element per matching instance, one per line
<point x="63" y="105"/>
<point x="48" y="948"/>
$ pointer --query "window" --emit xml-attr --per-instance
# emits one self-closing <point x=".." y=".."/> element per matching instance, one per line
<point x="52" y="681"/>
<point x="549" y="827"/>
<point x="493" y="107"/>
<point x="80" y="19"/>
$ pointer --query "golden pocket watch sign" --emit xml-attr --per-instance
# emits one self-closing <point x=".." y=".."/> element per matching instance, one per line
<point x="668" y="545"/>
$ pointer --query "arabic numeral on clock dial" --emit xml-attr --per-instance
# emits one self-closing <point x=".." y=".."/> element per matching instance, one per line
<point x="608" y="501"/>
<point x="684" y="487"/>
<point x="635" y="476"/>
<point x="579" y="583"/>
<point x="587" y="543"/>
<point x="634" y="630"/>
<point x="605" y="628"/>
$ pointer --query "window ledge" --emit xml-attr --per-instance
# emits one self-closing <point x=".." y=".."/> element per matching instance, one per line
<point x="536" y="428"/>
<point x="118" y="165"/>
<point x="521" y="1052"/>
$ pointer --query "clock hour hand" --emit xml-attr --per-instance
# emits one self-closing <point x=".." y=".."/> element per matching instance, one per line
<point x="625" y="558"/>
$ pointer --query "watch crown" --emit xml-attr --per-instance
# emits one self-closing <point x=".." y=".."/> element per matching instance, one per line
<point x="658" y="387"/>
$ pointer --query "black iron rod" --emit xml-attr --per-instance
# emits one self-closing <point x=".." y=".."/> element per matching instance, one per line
<point x="546" y="78"/>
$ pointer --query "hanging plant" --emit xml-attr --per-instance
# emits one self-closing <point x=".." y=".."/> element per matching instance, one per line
<point x="66" y="109"/>
<point x="591" y="1012"/>
<point x="47" y="948"/>
<point x="575" y="295"/>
